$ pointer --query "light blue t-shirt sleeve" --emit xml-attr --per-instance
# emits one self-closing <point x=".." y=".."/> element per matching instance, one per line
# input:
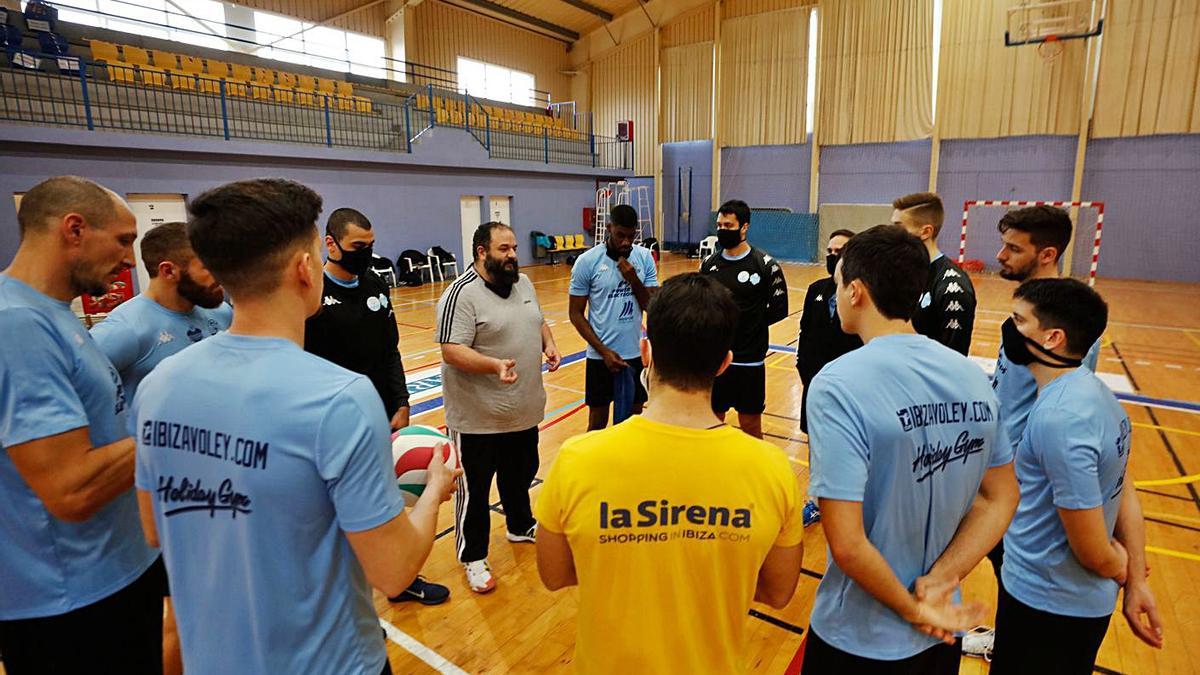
<point x="650" y="272"/>
<point x="353" y="457"/>
<point x="223" y="314"/>
<point x="837" y="443"/>
<point x="37" y="398"/>
<point x="118" y="341"/>
<point x="1070" y="454"/>
<point x="1092" y="358"/>
<point x="141" y="467"/>
<point x="581" y="277"/>
<point x="1002" y="449"/>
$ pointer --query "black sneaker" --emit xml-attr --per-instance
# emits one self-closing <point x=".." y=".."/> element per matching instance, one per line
<point x="423" y="592"/>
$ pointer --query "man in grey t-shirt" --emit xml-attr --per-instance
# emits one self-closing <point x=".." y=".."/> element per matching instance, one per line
<point x="493" y="337"/>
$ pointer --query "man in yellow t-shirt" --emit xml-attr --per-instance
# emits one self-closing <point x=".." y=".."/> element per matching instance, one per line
<point x="671" y="522"/>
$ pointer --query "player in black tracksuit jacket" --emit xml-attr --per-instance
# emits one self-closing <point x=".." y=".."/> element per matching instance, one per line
<point x="760" y="292"/>
<point x="821" y="338"/>
<point x="946" y="312"/>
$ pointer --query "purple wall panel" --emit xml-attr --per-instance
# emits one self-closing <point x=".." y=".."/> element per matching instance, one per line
<point x="678" y="158"/>
<point x="410" y="207"/>
<point x="874" y="173"/>
<point x="766" y="176"/>
<point x="1150" y="187"/>
<point x="1029" y="167"/>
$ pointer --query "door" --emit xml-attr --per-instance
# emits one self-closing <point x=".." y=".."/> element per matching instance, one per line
<point x="498" y="209"/>
<point x="152" y="210"/>
<point x="471" y="209"/>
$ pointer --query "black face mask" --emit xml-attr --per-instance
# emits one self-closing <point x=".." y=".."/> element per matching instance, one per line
<point x="354" y="261"/>
<point x="1016" y="349"/>
<point x="729" y="238"/>
<point x="831" y="262"/>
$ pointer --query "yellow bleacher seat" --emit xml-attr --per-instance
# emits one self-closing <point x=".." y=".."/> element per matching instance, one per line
<point x="151" y="75"/>
<point x="107" y="52"/>
<point x="422" y="101"/>
<point x="343" y="103"/>
<point x="306" y="89"/>
<point x="579" y="242"/>
<point x="264" y="83"/>
<point x="362" y="104"/>
<point x="239" y="72"/>
<point x="344" y="89"/>
<point x="176" y="76"/>
<point x="135" y="55"/>
<point x="325" y="85"/>
<point x="443" y="116"/>
<point x="560" y="242"/>
<point x="287" y="80"/>
<point x="234" y="86"/>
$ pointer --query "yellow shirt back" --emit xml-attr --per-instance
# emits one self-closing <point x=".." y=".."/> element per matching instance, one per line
<point x="668" y="528"/>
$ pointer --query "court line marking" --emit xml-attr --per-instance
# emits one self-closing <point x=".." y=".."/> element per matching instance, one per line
<point x="1171" y="516"/>
<point x="1173" y="553"/>
<point x="410" y="645"/>
<point x="1173" y="430"/>
<point x="1191" y="337"/>
<point x="1181" y="480"/>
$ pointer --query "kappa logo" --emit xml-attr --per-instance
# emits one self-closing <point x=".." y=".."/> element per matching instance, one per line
<point x="954" y="306"/>
<point x="950" y="273"/>
<point x="819" y="298"/>
<point x="164" y="337"/>
<point x="953" y="324"/>
<point x="330" y="300"/>
<point x="953" y="287"/>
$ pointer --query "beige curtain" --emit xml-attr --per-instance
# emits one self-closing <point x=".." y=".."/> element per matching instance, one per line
<point x="764" y="72"/>
<point x="734" y="8"/>
<point x="1149" y="69"/>
<point x="692" y="27"/>
<point x="623" y="89"/>
<point x="875" y="68"/>
<point x="687" y="92"/>
<point x="987" y="90"/>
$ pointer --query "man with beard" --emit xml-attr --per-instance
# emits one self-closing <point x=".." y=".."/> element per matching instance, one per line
<point x="74" y="561"/>
<point x="1033" y="240"/>
<point x="760" y="292"/>
<point x="614" y="283"/>
<point x="493" y="337"/>
<point x="182" y="306"/>
<point x="356" y="329"/>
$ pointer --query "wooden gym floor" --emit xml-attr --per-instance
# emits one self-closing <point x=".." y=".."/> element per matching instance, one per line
<point x="1152" y="347"/>
<point x="1151" y="350"/>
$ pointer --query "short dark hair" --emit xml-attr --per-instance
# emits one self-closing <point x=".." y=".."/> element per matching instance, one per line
<point x="341" y="220"/>
<point x="168" y="241"/>
<point x="55" y="197"/>
<point x="690" y="324"/>
<point x="244" y="231"/>
<point x="1069" y="305"/>
<point x="738" y="209"/>
<point x="841" y="233"/>
<point x="893" y="265"/>
<point x="624" y="215"/>
<point x="483" y="236"/>
<point x="926" y="207"/>
<point x="1046" y="226"/>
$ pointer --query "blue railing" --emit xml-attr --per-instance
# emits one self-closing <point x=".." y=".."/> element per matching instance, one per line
<point x="72" y="92"/>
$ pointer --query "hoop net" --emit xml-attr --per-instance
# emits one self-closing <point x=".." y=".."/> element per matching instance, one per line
<point x="981" y="216"/>
<point x="1051" y="48"/>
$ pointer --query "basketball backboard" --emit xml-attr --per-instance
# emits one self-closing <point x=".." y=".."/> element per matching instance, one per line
<point x="1031" y="22"/>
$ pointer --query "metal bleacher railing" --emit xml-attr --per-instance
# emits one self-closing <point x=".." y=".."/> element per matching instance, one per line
<point x="74" y="92"/>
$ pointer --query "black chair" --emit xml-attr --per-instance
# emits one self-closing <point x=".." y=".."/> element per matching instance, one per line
<point x="384" y="268"/>
<point x="41" y="18"/>
<point x="412" y="261"/>
<point x="440" y="258"/>
<point x="57" y="46"/>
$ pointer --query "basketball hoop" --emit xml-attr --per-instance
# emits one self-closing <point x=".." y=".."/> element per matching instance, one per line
<point x="1051" y="48"/>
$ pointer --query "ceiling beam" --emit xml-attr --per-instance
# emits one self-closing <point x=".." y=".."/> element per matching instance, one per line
<point x="590" y="9"/>
<point x="523" y="17"/>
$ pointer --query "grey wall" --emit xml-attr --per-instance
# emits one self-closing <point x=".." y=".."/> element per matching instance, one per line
<point x="766" y="176"/>
<point x="412" y="205"/>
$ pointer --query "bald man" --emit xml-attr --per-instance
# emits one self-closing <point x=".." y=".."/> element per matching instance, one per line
<point x="75" y="565"/>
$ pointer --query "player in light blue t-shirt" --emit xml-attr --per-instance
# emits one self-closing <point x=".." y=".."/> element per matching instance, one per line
<point x="1033" y="240"/>
<point x="182" y="306"/>
<point x="613" y="282"/>
<point x="73" y="554"/>
<point x="265" y="472"/>
<point x="913" y="473"/>
<point x="1062" y="565"/>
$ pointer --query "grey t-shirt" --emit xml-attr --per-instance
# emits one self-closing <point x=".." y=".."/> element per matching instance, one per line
<point x="471" y="314"/>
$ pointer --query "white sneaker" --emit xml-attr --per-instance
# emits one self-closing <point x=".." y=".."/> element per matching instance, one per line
<point x="529" y="537"/>
<point x="479" y="576"/>
<point x="978" y="642"/>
